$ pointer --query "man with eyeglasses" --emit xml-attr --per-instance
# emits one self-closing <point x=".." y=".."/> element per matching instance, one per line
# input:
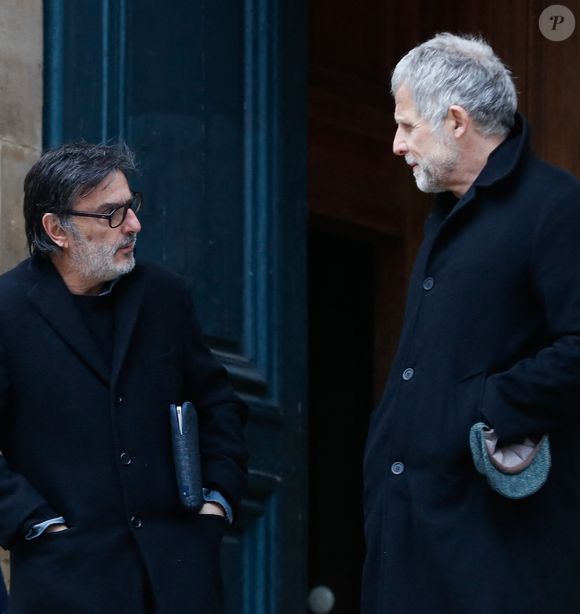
<point x="94" y="347"/>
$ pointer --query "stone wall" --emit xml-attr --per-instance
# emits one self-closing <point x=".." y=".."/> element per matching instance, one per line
<point x="21" y="40"/>
<point x="21" y="51"/>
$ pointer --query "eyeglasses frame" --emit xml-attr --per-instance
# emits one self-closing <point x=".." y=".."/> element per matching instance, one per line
<point x="135" y="196"/>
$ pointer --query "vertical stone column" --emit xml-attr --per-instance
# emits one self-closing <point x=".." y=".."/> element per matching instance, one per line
<point x="21" y="58"/>
<point x="21" y="55"/>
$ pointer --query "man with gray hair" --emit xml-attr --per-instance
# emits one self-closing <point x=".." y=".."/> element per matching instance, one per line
<point x="488" y="362"/>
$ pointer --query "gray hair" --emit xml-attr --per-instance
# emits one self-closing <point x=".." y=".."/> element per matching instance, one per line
<point x="459" y="70"/>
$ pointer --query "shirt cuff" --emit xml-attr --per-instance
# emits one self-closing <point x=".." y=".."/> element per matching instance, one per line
<point x="38" y="529"/>
<point x="215" y="496"/>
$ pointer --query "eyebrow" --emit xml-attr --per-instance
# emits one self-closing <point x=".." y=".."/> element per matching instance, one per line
<point x="406" y="121"/>
<point x="105" y="206"/>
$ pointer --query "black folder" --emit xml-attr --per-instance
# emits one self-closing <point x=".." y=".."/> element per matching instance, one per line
<point x="185" y="439"/>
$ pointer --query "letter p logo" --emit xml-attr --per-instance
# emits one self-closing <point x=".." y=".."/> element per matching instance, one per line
<point x="557" y="22"/>
<point x="557" y="19"/>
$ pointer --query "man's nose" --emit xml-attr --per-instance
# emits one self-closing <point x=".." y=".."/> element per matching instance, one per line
<point x="399" y="144"/>
<point x="131" y="222"/>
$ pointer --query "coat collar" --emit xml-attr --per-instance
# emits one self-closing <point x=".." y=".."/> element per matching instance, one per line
<point x="54" y="302"/>
<point x="502" y="163"/>
<point x="504" y="159"/>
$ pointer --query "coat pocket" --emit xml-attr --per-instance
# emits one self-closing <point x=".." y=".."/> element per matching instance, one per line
<point x="469" y="394"/>
<point x="461" y="411"/>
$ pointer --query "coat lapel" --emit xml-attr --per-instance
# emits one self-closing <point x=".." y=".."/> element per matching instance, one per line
<point x="129" y="293"/>
<point x="53" y="301"/>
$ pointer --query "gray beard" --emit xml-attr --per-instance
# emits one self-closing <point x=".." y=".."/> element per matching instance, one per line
<point x="96" y="262"/>
<point x="434" y="174"/>
<point x="428" y="182"/>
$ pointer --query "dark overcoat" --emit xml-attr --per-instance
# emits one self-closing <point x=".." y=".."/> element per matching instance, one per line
<point x="3" y="599"/>
<point x="491" y="333"/>
<point x="91" y="441"/>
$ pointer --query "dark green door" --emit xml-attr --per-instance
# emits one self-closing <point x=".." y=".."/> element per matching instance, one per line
<point x="212" y="96"/>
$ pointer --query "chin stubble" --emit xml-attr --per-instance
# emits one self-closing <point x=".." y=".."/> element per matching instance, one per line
<point x="97" y="261"/>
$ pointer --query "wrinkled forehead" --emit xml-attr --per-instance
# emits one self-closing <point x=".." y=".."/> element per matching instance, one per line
<point x="405" y="109"/>
<point x="102" y="186"/>
<point x="112" y="190"/>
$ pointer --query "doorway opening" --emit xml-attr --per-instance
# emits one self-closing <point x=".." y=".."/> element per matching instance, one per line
<point x="341" y="332"/>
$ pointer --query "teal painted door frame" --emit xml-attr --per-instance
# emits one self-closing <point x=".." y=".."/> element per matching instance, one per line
<point x="212" y="97"/>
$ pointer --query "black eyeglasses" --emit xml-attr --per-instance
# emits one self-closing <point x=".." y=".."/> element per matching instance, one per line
<point x="116" y="215"/>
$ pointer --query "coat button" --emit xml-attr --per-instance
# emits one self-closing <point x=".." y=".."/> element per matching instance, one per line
<point x="126" y="458"/>
<point x="428" y="283"/>
<point x="408" y="374"/>
<point x="136" y="522"/>
<point x="397" y="468"/>
<point x="119" y="400"/>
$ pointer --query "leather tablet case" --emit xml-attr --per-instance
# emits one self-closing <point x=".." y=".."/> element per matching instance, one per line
<point x="185" y="440"/>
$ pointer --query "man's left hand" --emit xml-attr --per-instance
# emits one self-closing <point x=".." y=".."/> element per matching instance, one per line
<point x="213" y="509"/>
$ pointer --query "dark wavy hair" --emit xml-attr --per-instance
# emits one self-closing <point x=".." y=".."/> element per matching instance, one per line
<point x="60" y="177"/>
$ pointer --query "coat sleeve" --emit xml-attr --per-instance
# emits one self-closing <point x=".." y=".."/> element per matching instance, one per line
<point x="541" y="393"/>
<point x="21" y="505"/>
<point x="222" y="416"/>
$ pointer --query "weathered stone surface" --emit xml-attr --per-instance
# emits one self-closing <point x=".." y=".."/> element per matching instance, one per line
<point x="21" y="49"/>
<point x="21" y="41"/>
<point x="14" y="164"/>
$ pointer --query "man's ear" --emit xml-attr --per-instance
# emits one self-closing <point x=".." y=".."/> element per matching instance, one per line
<point x="54" y="230"/>
<point x="459" y="120"/>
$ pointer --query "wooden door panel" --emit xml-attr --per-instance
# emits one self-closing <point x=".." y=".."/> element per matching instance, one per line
<point x="211" y="96"/>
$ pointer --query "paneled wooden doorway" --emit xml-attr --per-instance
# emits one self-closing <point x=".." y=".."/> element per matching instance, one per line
<point x="212" y="96"/>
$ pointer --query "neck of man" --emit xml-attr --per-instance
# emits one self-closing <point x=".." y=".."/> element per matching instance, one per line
<point x="73" y="278"/>
<point x="475" y="153"/>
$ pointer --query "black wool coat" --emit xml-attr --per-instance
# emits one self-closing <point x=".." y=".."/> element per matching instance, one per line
<point x="491" y="333"/>
<point x="3" y="596"/>
<point x="91" y="441"/>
